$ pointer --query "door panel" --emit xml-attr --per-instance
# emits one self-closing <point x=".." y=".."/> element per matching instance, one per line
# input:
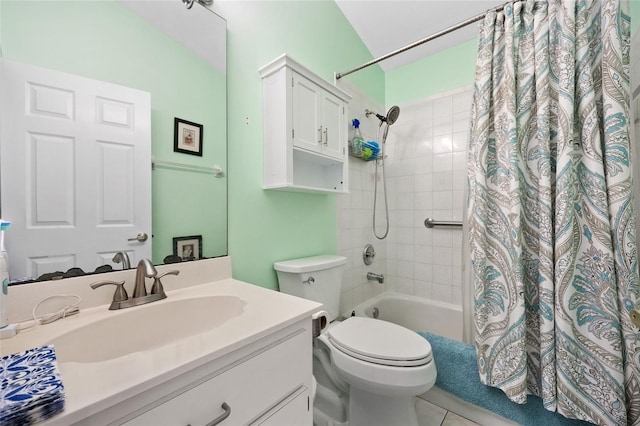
<point x="332" y="117"/>
<point x="306" y="117"/>
<point x="76" y="154"/>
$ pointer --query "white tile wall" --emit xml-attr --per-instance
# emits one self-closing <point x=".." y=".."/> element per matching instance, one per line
<point x="426" y="177"/>
<point x="354" y="220"/>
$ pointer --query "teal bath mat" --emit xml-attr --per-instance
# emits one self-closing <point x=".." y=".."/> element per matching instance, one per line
<point x="458" y="375"/>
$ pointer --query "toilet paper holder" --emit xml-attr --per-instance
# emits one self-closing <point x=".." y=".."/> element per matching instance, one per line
<point x="319" y="322"/>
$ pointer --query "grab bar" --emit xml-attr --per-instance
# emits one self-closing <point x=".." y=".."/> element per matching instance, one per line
<point x="430" y="223"/>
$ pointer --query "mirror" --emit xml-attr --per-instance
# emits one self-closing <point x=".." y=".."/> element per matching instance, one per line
<point x="178" y="57"/>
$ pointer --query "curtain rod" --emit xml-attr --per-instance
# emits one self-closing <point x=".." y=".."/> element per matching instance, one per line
<point x="422" y="41"/>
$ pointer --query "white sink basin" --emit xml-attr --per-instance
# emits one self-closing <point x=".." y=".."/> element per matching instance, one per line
<point x="145" y="327"/>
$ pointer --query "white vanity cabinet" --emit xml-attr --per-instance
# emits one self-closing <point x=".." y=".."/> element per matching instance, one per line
<point x="305" y="129"/>
<point x="267" y="382"/>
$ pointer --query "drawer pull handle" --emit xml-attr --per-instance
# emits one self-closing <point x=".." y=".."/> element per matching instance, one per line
<point x="221" y="417"/>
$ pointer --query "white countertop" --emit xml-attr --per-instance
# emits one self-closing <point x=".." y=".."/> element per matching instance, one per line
<point x="91" y="387"/>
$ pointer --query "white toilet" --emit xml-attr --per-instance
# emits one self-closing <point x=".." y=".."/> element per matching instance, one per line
<point x="380" y="366"/>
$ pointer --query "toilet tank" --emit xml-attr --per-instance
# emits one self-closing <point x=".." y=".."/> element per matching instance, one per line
<point x="317" y="278"/>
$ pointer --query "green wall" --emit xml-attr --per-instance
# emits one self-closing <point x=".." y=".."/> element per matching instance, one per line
<point x="442" y="71"/>
<point x="266" y="226"/>
<point x="104" y="41"/>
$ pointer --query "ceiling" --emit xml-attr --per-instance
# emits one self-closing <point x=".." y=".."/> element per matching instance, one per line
<point x="387" y="25"/>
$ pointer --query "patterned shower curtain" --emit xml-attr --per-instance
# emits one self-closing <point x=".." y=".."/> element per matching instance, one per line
<point x="550" y="209"/>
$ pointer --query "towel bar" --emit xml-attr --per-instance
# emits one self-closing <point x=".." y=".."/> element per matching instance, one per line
<point x="430" y="223"/>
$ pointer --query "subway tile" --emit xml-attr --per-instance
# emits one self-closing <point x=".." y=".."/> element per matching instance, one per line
<point x="405" y="269"/>
<point x="423" y="200"/>
<point x="424" y="147"/>
<point x="462" y="102"/>
<point x="442" y="144"/>
<point x="422" y="271"/>
<point x="424" y="235"/>
<point x="442" y="200"/>
<point x="444" y="257"/>
<point x="461" y="122"/>
<point x="441" y="293"/>
<point x="404" y="286"/>
<point x="459" y="161"/>
<point x="443" y="181"/>
<point x="423" y="182"/>
<point x="442" y="237"/>
<point x="460" y="141"/>
<point x="443" y="106"/>
<point x="406" y="252"/>
<point x="442" y="163"/>
<point x="422" y="288"/>
<point x="443" y="274"/>
<point x="423" y="254"/>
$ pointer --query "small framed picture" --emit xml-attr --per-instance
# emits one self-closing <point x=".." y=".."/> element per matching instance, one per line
<point x="187" y="137"/>
<point x="188" y="248"/>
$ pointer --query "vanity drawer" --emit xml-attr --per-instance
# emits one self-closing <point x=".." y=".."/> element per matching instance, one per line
<point x="250" y="387"/>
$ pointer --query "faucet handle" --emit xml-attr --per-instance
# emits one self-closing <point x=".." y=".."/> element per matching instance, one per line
<point x="120" y="295"/>
<point x="157" y="284"/>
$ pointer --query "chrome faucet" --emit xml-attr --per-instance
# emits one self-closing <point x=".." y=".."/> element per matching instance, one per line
<point x="144" y="270"/>
<point x="123" y="257"/>
<point x="378" y="277"/>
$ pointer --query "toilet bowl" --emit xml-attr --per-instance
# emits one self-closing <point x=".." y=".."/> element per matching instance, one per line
<point x="385" y="366"/>
<point x="379" y="366"/>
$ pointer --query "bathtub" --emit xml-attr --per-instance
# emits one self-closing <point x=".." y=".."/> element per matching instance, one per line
<point x="414" y="313"/>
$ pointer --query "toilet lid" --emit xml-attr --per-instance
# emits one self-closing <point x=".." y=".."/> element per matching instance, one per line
<point x="380" y="342"/>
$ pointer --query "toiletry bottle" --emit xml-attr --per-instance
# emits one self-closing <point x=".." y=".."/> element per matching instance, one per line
<point x="355" y="144"/>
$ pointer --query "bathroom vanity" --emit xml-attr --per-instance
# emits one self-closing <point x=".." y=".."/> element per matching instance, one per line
<point x="221" y="350"/>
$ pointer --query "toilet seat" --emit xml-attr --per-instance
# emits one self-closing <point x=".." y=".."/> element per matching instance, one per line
<point x="380" y="342"/>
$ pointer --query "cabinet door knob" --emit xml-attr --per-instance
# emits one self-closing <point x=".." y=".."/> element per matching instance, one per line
<point x="320" y="134"/>
<point x="221" y="417"/>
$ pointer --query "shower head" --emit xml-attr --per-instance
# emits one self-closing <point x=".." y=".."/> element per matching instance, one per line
<point x="392" y="115"/>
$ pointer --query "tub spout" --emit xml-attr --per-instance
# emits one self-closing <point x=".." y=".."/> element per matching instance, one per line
<point x="378" y="277"/>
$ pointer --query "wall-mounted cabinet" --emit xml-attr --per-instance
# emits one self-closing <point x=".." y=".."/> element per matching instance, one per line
<point x="305" y="130"/>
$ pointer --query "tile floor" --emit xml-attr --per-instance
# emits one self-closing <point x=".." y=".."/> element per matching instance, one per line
<point x="431" y="415"/>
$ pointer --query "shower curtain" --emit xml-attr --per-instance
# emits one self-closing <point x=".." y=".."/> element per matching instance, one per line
<point x="550" y="209"/>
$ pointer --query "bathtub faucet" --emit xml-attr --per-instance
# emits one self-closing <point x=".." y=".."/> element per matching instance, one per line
<point x="379" y="277"/>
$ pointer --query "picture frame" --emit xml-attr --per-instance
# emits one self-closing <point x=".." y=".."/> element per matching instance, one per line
<point x="188" y="248"/>
<point x="187" y="137"/>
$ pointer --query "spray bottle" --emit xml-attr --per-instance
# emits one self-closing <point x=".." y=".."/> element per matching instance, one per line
<point x="357" y="142"/>
<point x="4" y="276"/>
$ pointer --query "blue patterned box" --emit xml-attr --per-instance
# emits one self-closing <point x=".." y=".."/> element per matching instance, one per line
<point x="32" y="390"/>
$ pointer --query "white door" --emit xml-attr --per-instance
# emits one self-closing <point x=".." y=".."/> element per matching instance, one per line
<point x="307" y="132"/>
<point x="332" y="118"/>
<point x="75" y="157"/>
